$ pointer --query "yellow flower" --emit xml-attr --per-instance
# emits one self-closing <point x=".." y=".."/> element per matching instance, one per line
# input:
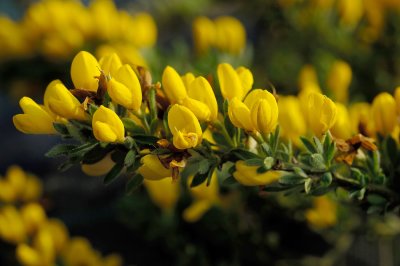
<point x="239" y="114"/>
<point x="164" y="192"/>
<point x="320" y="113"/>
<point x="28" y="256"/>
<point x="291" y="119"/>
<point x="153" y="169"/>
<point x="339" y="79"/>
<point x="145" y="33"/>
<point x="230" y="35"/>
<point x="173" y="86"/>
<point x="35" y="120"/>
<point x="342" y="128"/>
<point x="58" y="232"/>
<point x="204" y="197"/>
<point x="110" y="64"/>
<point x="308" y="79"/>
<point x="124" y="88"/>
<point x="350" y="12"/>
<point x="184" y="126"/>
<point x="33" y="216"/>
<point x="187" y="79"/>
<point x="107" y="126"/>
<point x="323" y="214"/>
<point x="84" y="70"/>
<point x="60" y="101"/>
<point x="360" y="117"/>
<point x="79" y="251"/>
<point x="104" y="15"/>
<point x="99" y="168"/>
<point x="264" y="112"/>
<point x="234" y="83"/>
<point x="248" y="176"/>
<point x="384" y="113"/>
<point x="204" y="34"/>
<point x="198" y="108"/>
<point x="397" y="98"/>
<point x="12" y="227"/>
<point x="200" y="89"/>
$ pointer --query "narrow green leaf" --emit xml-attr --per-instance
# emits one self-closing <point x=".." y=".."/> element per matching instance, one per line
<point x="318" y="145"/>
<point x="133" y="183"/>
<point x="60" y="150"/>
<point x="254" y="162"/>
<point x="276" y="188"/>
<point x="61" y="128"/>
<point x="375" y="199"/>
<point x="308" y="185"/>
<point x="243" y="154"/>
<point x="145" y="139"/>
<point x="96" y="154"/>
<point x="132" y="127"/>
<point x="83" y="149"/>
<point x="309" y="145"/>
<point x="198" y="179"/>
<point x="130" y="158"/>
<point x="291" y="180"/>
<point x="266" y="148"/>
<point x="92" y="109"/>
<point x="113" y="174"/>
<point x="298" y="171"/>
<point x="204" y="166"/>
<point x="230" y="180"/>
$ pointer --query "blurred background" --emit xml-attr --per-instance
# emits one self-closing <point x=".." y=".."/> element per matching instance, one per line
<point x="282" y="42"/>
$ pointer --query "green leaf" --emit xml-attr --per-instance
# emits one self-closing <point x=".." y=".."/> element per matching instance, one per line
<point x="92" y="109"/>
<point x="132" y="127"/>
<point x="83" y="149"/>
<point x="113" y="174"/>
<point x="358" y="194"/>
<point x="160" y="151"/>
<point x="266" y="148"/>
<point x="96" y="154"/>
<point x="133" y="183"/>
<point x="145" y="139"/>
<point x="375" y="199"/>
<point x="309" y="145"/>
<point x="154" y="125"/>
<point x="198" y="179"/>
<point x="300" y="172"/>
<point x="76" y="133"/>
<point x="60" y="150"/>
<point x="276" y="188"/>
<point x="203" y="167"/>
<point x="61" y="128"/>
<point x="308" y="185"/>
<point x="262" y="169"/>
<point x="326" y="179"/>
<point x="243" y="154"/>
<point x="230" y="180"/>
<point x="130" y="158"/>
<point x="268" y="162"/>
<point x="317" y="161"/>
<point x="375" y="209"/>
<point x="225" y="171"/>
<point x="319" y="191"/>
<point x="318" y="145"/>
<point x="254" y="162"/>
<point x="291" y="180"/>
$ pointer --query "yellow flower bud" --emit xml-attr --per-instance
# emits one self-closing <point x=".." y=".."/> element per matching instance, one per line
<point x="84" y="70"/>
<point x="99" y="168"/>
<point x="323" y="214"/>
<point x="384" y="113"/>
<point x="33" y="189"/>
<point x="125" y="88"/>
<point x="339" y="79"/>
<point x="173" y="86"/>
<point x="33" y="217"/>
<point x="204" y="34"/>
<point x="113" y="260"/>
<point x="164" y="193"/>
<point x="58" y="232"/>
<point x="43" y="243"/>
<point x="230" y="83"/>
<point x="107" y="126"/>
<point x="360" y="117"/>
<point x="239" y="114"/>
<point x="320" y="113"/>
<point x="184" y="126"/>
<point x="35" y="120"/>
<point x="342" y="127"/>
<point x="350" y="12"/>
<point x="60" y="101"/>
<point x="187" y="79"/>
<point x="199" y="109"/>
<point x="200" y="90"/>
<point x="153" y="169"/>
<point x="7" y="192"/>
<point x="308" y="79"/>
<point x="264" y="113"/>
<point x="11" y="225"/>
<point x="248" y="176"/>
<point x="17" y="179"/>
<point x="291" y="119"/>
<point x="246" y="78"/>
<point x="397" y="98"/>
<point x="28" y="256"/>
<point x="110" y="64"/>
<point x="230" y="34"/>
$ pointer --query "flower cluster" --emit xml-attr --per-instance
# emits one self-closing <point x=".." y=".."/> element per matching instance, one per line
<point x="186" y="128"/>
<point x="38" y="239"/>
<point x="58" y="29"/>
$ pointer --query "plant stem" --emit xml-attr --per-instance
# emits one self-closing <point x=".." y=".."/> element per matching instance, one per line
<point x="225" y="133"/>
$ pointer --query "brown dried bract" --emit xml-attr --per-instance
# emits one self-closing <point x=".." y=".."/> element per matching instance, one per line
<point x="348" y="149"/>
